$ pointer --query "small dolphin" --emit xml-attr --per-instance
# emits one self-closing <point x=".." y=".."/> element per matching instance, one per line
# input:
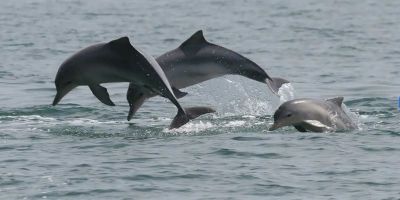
<point x="313" y="115"/>
<point x="197" y="60"/>
<point x="119" y="61"/>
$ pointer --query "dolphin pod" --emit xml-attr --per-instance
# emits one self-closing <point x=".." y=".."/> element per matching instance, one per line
<point x="313" y="115"/>
<point x="196" y="60"/>
<point x="119" y="61"/>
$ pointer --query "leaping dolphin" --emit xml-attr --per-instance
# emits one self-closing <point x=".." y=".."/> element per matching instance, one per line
<point x="119" y="61"/>
<point x="197" y="60"/>
<point x="313" y="115"/>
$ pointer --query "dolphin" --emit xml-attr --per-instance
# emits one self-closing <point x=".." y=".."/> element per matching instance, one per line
<point x="119" y="61"/>
<point x="197" y="60"/>
<point x="313" y="115"/>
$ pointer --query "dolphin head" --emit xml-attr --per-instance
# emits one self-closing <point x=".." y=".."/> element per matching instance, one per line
<point x="65" y="82"/>
<point x="295" y="112"/>
<point x="286" y="116"/>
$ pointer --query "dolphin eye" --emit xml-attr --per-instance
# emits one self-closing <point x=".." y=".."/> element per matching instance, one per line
<point x="289" y="115"/>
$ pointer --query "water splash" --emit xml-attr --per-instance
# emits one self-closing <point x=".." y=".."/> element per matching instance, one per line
<point x="236" y="123"/>
<point x="253" y="107"/>
<point x="286" y="93"/>
<point x="190" y="128"/>
<point x="354" y="116"/>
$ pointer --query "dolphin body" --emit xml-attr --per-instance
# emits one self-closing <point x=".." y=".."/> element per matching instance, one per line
<point x="197" y="60"/>
<point x="119" y="61"/>
<point x="313" y="115"/>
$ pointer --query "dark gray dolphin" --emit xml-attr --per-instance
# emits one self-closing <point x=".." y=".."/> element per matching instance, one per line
<point x="119" y="61"/>
<point x="197" y="60"/>
<point x="313" y="115"/>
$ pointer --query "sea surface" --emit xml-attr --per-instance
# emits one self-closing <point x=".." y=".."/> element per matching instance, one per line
<point x="82" y="149"/>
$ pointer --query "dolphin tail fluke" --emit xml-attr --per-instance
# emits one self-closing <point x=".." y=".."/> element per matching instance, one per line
<point x="194" y="112"/>
<point x="190" y="113"/>
<point x="275" y="83"/>
<point x="101" y="94"/>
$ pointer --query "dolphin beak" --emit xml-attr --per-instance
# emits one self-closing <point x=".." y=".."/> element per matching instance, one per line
<point x="57" y="98"/>
<point x="275" y="126"/>
<point x="281" y="123"/>
<point x="61" y="93"/>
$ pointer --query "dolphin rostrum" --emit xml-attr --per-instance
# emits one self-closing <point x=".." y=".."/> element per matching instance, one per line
<point x="313" y="115"/>
<point x="197" y="60"/>
<point x="119" y="61"/>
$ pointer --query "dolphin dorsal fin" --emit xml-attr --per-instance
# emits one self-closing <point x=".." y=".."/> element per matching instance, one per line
<point x="337" y="100"/>
<point x="194" y="43"/>
<point x="121" y="45"/>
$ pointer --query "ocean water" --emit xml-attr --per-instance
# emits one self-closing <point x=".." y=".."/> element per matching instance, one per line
<point x="82" y="149"/>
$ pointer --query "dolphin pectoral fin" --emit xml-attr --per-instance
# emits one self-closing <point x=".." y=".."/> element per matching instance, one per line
<point x="135" y="100"/>
<point x="190" y="113"/>
<point x="315" y="126"/>
<point x="300" y="128"/>
<point x="275" y="83"/>
<point x="101" y="94"/>
<point x="338" y="101"/>
<point x="178" y="94"/>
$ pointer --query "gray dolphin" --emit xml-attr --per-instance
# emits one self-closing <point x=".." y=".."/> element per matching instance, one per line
<point x="119" y="61"/>
<point x="313" y="115"/>
<point x="197" y="60"/>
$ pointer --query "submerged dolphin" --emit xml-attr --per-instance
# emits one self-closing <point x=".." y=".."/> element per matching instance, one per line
<point x="119" y="61"/>
<point x="197" y="60"/>
<point x="313" y="115"/>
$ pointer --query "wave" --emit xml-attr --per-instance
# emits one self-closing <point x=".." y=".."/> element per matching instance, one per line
<point x="73" y="119"/>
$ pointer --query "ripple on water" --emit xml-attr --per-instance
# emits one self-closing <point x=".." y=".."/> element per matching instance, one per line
<point x="273" y="189"/>
<point x="243" y="138"/>
<point x="75" y="193"/>
<point x="231" y="152"/>
<point x="379" y="149"/>
<point x="350" y="172"/>
<point x="146" y="177"/>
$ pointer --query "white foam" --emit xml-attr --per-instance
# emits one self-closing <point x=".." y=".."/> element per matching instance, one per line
<point x="249" y="116"/>
<point x="33" y="120"/>
<point x="27" y="118"/>
<point x="191" y="127"/>
<point x="235" y="123"/>
<point x="82" y="121"/>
